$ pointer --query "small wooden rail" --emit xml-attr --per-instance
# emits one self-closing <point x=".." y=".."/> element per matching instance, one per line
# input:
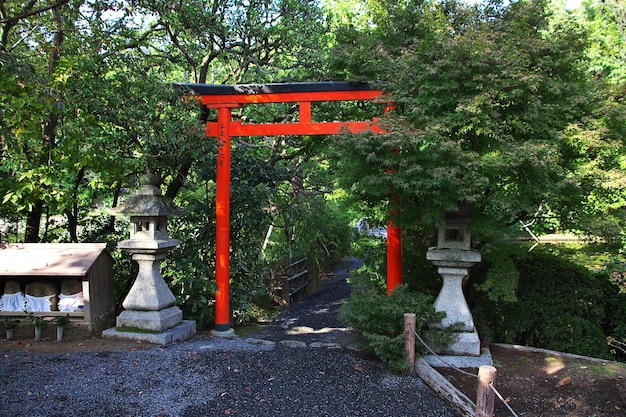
<point x="22" y="314"/>
<point x="294" y="280"/>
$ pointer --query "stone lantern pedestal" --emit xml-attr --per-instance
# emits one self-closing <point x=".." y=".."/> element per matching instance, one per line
<point x="150" y="312"/>
<point x="453" y="257"/>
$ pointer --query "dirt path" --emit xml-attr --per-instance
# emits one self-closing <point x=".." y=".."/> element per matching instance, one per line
<point x="550" y="384"/>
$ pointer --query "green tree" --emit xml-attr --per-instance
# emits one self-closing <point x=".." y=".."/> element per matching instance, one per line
<point x="105" y="81"/>
<point x="483" y="108"/>
<point x="601" y="136"/>
<point x="32" y="102"/>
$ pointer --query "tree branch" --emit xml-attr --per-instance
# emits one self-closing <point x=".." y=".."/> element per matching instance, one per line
<point x="32" y="12"/>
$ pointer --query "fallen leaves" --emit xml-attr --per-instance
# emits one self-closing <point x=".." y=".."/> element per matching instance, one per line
<point x="564" y="381"/>
<point x="138" y="346"/>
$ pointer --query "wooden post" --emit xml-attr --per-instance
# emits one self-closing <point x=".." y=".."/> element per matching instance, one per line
<point x="486" y="397"/>
<point x="409" y="340"/>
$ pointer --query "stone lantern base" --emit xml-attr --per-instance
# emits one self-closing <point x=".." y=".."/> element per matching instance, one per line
<point x="453" y="266"/>
<point x="150" y="313"/>
<point x="157" y="321"/>
<point x="183" y="331"/>
<point x="161" y="327"/>
<point x="464" y="344"/>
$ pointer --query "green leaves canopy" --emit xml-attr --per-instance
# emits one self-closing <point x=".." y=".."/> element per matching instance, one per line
<point x="483" y="98"/>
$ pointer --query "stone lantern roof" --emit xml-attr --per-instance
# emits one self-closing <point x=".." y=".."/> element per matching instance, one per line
<point x="148" y="211"/>
<point x="148" y="201"/>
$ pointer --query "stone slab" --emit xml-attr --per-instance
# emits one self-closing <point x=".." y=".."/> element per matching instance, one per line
<point x="450" y="361"/>
<point x="293" y="343"/>
<point x="229" y="334"/>
<point x="264" y="342"/>
<point x="465" y="344"/>
<point x="147" y="246"/>
<point x="325" y="345"/>
<point x="158" y="321"/>
<point x="185" y="330"/>
<point x="456" y="257"/>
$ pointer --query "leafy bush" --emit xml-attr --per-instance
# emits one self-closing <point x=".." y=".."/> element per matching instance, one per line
<point x="560" y="306"/>
<point x="380" y="317"/>
<point x="99" y="229"/>
<point x="190" y="270"/>
<point x="617" y="276"/>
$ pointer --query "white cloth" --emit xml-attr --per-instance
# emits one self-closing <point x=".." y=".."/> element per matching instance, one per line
<point x="12" y="302"/>
<point x="34" y="304"/>
<point x="70" y="303"/>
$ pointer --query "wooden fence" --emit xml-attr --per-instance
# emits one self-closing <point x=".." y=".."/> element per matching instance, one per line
<point x="293" y="281"/>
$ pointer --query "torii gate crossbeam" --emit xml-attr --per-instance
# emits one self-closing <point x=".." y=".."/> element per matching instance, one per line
<point x="226" y="97"/>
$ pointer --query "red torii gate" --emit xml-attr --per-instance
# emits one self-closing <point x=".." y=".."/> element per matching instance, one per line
<point x="226" y="97"/>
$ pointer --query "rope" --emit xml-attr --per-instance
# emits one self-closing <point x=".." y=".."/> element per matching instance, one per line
<point x="463" y="372"/>
<point x="441" y="359"/>
<point x="502" y="399"/>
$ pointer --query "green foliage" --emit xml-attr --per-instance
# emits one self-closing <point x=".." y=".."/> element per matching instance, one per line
<point x="494" y="107"/>
<point x="380" y="318"/>
<point x="190" y="271"/>
<point x="559" y="305"/>
<point x="606" y="21"/>
<point x="36" y="321"/>
<point x="190" y="267"/>
<point x="8" y="323"/>
<point x="498" y="272"/>
<point x="614" y="325"/>
<point x="617" y="276"/>
<point x="372" y="251"/>
<point x="62" y="321"/>
<point x="486" y="131"/>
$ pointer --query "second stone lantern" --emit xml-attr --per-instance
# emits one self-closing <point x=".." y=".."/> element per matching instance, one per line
<point x="454" y="256"/>
<point x="150" y="312"/>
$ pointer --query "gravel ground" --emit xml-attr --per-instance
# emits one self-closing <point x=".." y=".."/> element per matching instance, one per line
<point x="261" y="376"/>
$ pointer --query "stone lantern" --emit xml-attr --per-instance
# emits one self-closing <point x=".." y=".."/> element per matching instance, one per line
<point x="150" y="313"/>
<point x="453" y="256"/>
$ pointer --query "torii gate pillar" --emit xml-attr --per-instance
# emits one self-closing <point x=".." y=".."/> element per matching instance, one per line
<point x="222" y="226"/>
<point x="226" y="97"/>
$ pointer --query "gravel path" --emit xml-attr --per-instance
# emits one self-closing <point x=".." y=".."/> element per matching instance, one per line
<point x="261" y="376"/>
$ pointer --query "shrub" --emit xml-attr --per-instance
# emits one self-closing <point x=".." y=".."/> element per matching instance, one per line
<point x="559" y="306"/>
<point x="380" y="317"/>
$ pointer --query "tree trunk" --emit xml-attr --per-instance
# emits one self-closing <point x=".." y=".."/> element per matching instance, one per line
<point x="179" y="180"/>
<point x="72" y="215"/>
<point x="116" y="196"/>
<point x="72" y="223"/>
<point x="33" y="222"/>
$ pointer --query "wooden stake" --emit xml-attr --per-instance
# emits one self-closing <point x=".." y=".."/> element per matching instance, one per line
<point x="409" y="340"/>
<point x="486" y="397"/>
<point x="445" y="389"/>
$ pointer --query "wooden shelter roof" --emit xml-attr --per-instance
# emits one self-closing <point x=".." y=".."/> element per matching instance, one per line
<point x="48" y="259"/>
